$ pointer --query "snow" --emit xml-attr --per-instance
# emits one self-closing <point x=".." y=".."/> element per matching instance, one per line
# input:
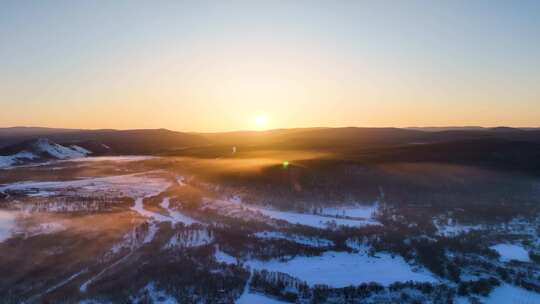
<point x="81" y="150"/>
<point x="9" y="226"/>
<point x="190" y="238"/>
<point x="249" y="297"/>
<point x="54" y="206"/>
<point x="299" y="239"/>
<point x="67" y="280"/>
<point x="453" y="229"/>
<point x="42" y="147"/>
<point x="152" y="230"/>
<point x="252" y="298"/>
<point x="139" y="208"/>
<point x="7" y="223"/>
<point x="41" y="194"/>
<point x="510" y="294"/>
<point x="132" y="185"/>
<point x="25" y="155"/>
<point x="223" y="257"/>
<point x="58" y="151"/>
<point x="181" y="180"/>
<point x="461" y="300"/>
<point x="341" y="269"/>
<point x="234" y="207"/>
<point x="136" y="186"/>
<point x="359" y="245"/>
<point x="5" y="161"/>
<point x="46" y="228"/>
<point x="165" y="203"/>
<point x="84" y="286"/>
<point x="155" y="295"/>
<point x="316" y="221"/>
<point x="136" y="237"/>
<point x="181" y="239"/>
<point x="236" y="200"/>
<point x="175" y="216"/>
<point x="234" y="210"/>
<point x="172" y="217"/>
<point x="510" y="252"/>
<point x="354" y="211"/>
<point x="11" y="160"/>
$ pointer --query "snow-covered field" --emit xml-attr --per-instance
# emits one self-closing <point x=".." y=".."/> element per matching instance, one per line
<point x="316" y="221"/>
<point x="508" y="294"/>
<point x="143" y="226"/>
<point x="132" y="185"/>
<point x="341" y="269"/>
<point x="356" y="211"/>
<point x="299" y="239"/>
<point x="234" y="207"/>
<point x="510" y="252"/>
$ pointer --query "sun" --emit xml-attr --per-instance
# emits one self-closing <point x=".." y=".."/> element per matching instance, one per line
<point x="261" y="121"/>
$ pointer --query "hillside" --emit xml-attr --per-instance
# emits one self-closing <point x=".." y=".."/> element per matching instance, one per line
<point x="149" y="141"/>
<point x="39" y="150"/>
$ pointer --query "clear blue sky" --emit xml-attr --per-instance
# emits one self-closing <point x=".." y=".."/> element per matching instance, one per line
<point x="218" y="65"/>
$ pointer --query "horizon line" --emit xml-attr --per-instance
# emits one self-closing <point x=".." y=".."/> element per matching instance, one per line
<point x="277" y="129"/>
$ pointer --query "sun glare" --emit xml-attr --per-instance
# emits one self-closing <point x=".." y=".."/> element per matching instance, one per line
<point x="261" y="121"/>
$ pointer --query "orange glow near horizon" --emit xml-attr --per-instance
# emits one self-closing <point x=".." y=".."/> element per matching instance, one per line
<point x="261" y="121"/>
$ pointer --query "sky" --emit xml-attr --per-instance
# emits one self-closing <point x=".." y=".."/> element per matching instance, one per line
<point x="237" y="65"/>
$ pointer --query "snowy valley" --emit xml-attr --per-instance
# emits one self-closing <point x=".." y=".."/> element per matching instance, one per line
<point x="175" y="230"/>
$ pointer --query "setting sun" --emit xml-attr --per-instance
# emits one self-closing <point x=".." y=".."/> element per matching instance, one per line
<point x="261" y="121"/>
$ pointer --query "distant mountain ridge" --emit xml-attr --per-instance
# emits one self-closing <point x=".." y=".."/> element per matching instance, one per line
<point x="467" y="128"/>
<point x="497" y="148"/>
<point x="354" y="138"/>
<point x="144" y="141"/>
<point x="162" y="141"/>
<point x="449" y="128"/>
